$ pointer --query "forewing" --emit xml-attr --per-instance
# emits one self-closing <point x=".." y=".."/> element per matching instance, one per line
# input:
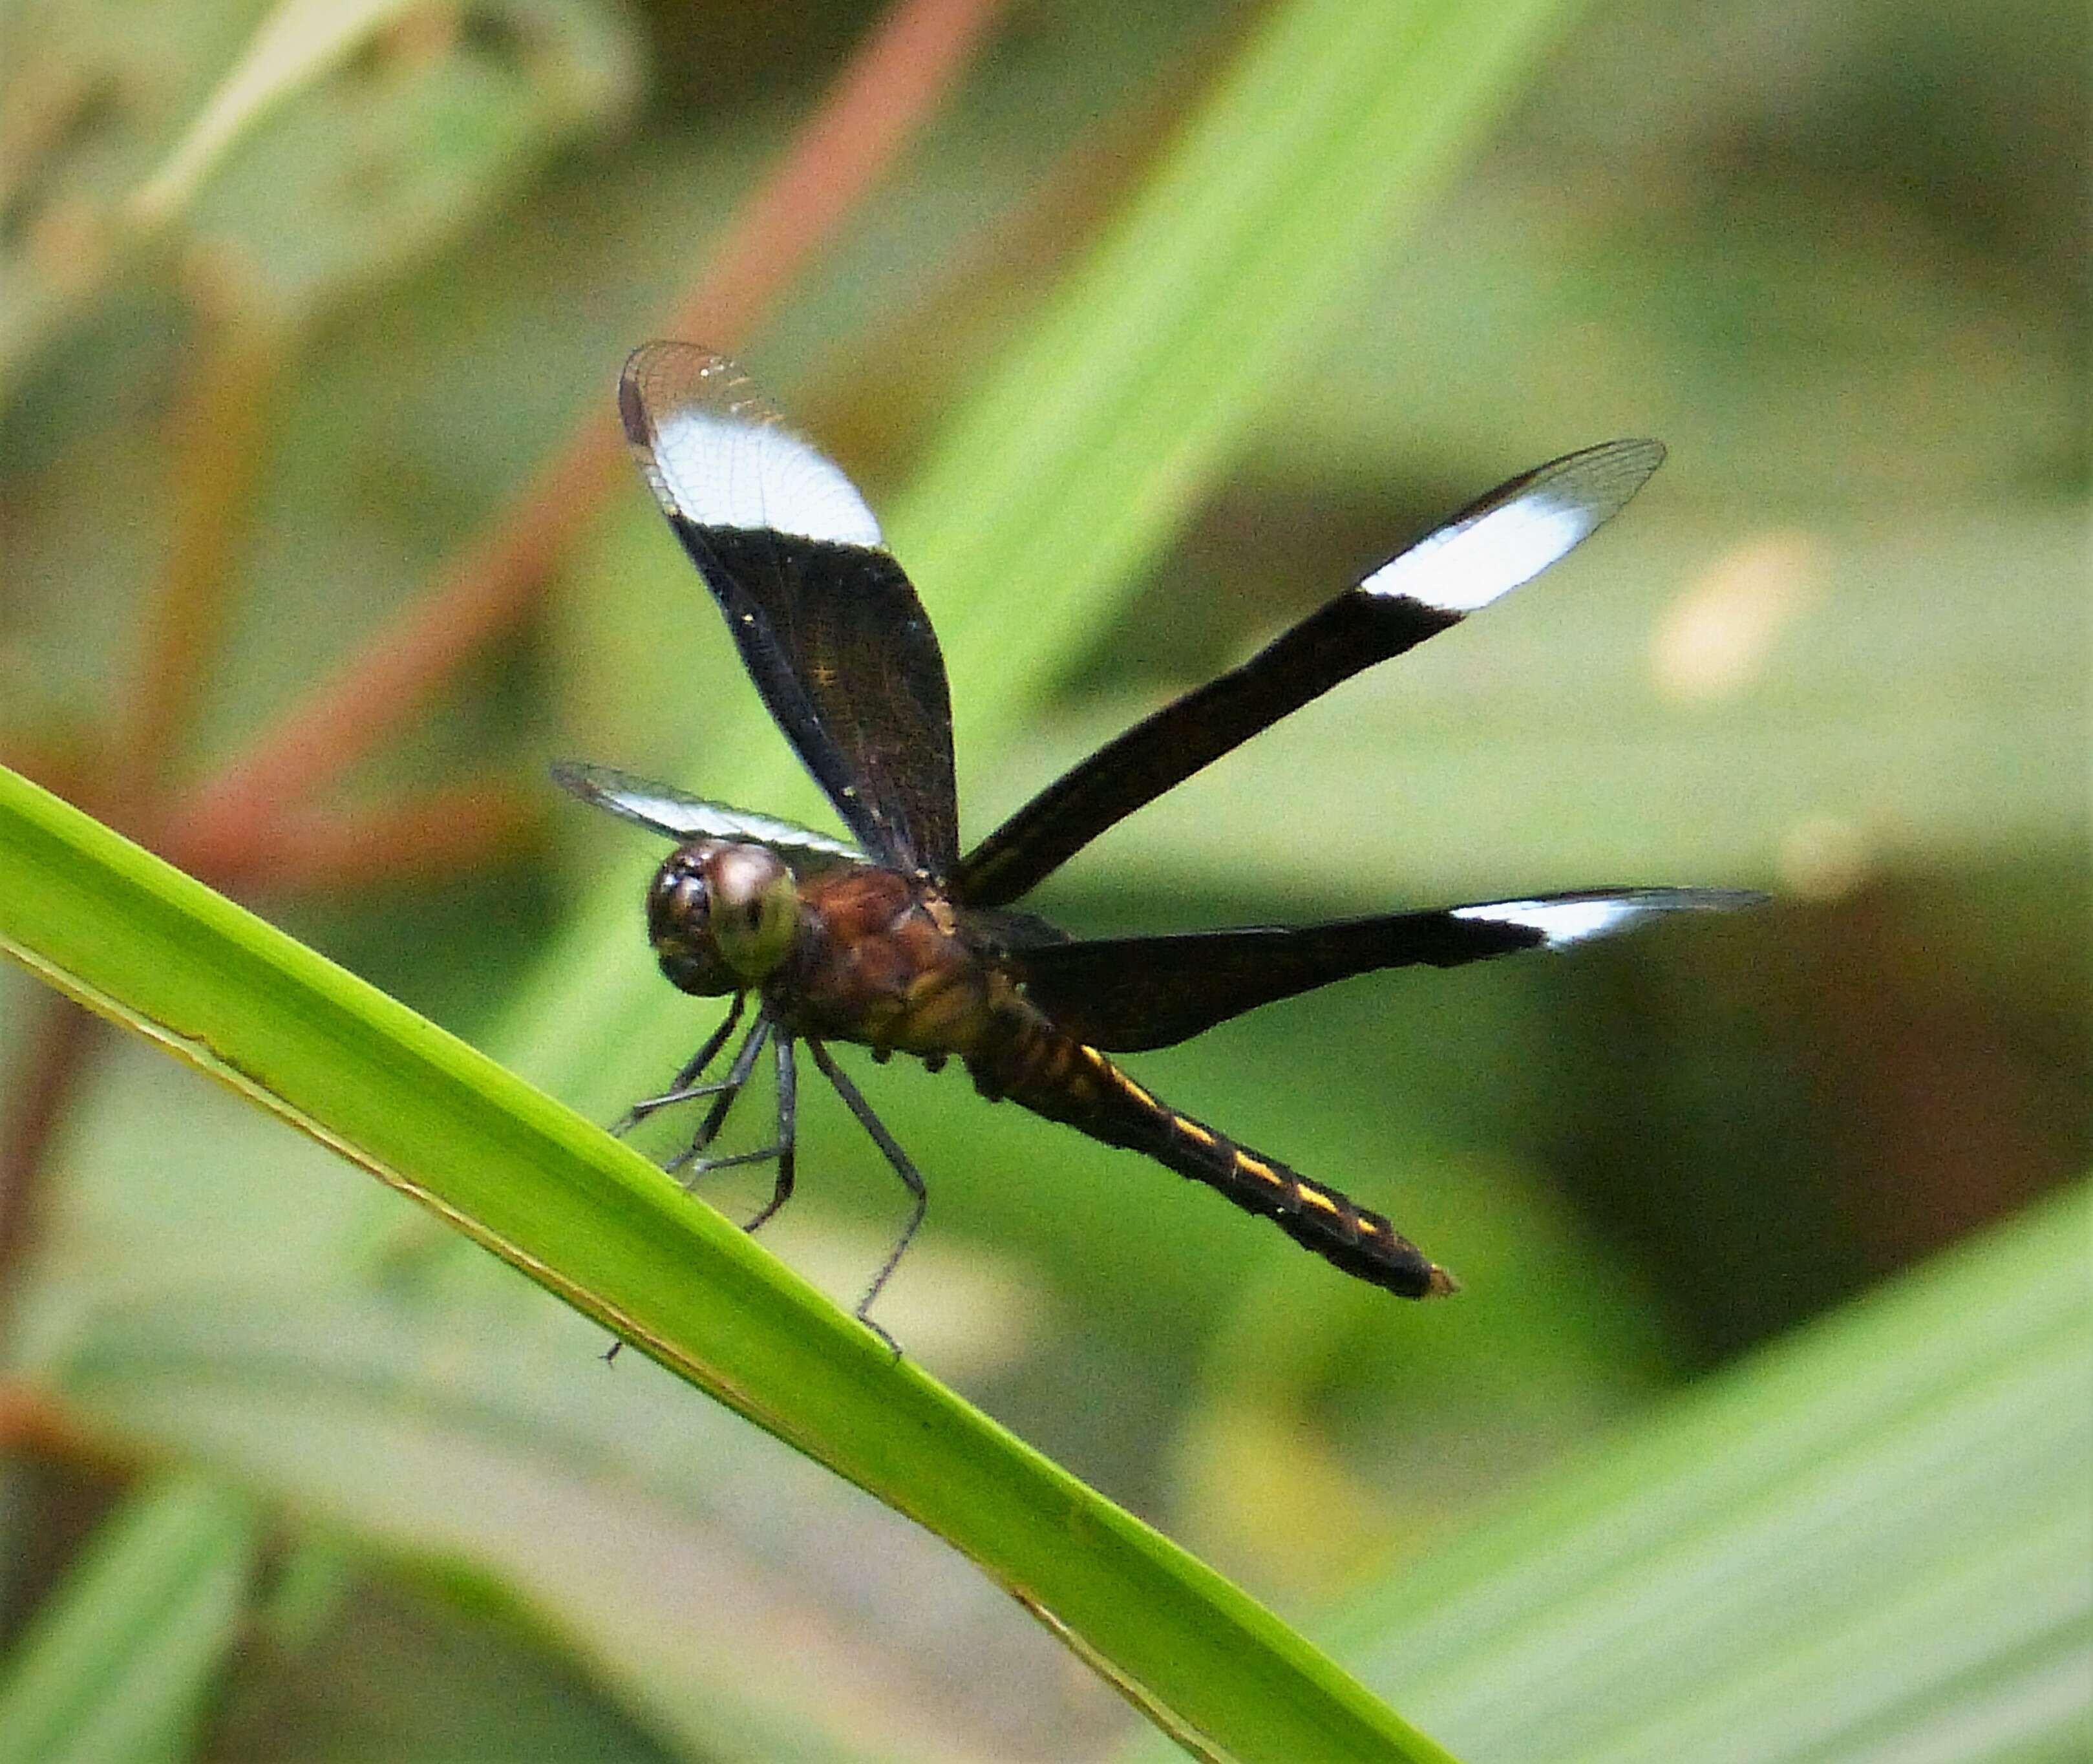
<point x="1490" y="547"/>
<point x="678" y="816"/>
<point x="1123" y="994"/>
<point x="828" y="625"/>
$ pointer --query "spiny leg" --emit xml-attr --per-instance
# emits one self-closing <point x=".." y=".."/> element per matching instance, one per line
<point x="780" y="1151"/>
<point x="685" y="1089"/>
<point x="685" y="1086"/>
<point x="788" y="1111"/>
<point x="692" y="1159"/>
<point x="908" y="1172"/>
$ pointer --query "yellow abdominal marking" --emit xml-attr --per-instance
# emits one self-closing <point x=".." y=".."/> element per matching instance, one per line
<point x="1192" y="1129"/>
<point x="1251" y="1166"/>
<point x="1136" y="1093"/>
<point x="1316" y="1197"/>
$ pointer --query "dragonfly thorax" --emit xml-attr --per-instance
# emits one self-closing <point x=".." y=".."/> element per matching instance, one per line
<point x="721" y="916"/>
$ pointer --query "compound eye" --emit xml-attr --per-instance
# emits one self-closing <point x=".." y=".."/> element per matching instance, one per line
<point x="679" y="912"/>
<point x="755" y="908"/>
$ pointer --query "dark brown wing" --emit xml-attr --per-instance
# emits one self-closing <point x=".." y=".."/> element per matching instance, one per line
<point x="829" y="627"/>
<point x="1509" y="537"/>
<point x="1126" y="994"/>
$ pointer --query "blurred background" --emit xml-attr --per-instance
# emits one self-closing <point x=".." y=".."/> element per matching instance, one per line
<point x="314" y="550"/>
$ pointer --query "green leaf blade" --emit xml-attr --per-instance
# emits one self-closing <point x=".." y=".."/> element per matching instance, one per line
<point x="121" y="1662"/>
<point x="592" y="1222"/>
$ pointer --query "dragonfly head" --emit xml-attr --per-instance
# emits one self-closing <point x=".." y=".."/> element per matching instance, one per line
<point x="721" y="916"/>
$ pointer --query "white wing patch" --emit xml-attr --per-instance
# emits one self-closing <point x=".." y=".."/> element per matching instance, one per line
<point x="1459" y="568"/>
<point x="1470" y="562"/>
<point x="1562" y="919"/>
<point x="715" y="471"/>
<point x="1562" y="922"/>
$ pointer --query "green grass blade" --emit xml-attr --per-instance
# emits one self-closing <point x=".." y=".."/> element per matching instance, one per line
<point x="119" y="1662"/>
<point x="591" y="1221"/>
<point x="298" y="43"/>
<point x="1871" y="1541"/>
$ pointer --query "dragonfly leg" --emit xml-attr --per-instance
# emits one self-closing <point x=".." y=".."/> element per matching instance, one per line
<point x="911" y="1178"/>
<point x="788" y="1115"/>
<point x="685" y="1086"/>
<point x="692" y="1159"/>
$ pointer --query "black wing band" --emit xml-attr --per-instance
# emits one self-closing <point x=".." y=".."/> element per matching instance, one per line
<point x="1126" y="993"/>
<point x="1352" y="632"/>
<point x="839" y="647"/>
<point x="1508" y="537"/>
<point x="827" y="624"/>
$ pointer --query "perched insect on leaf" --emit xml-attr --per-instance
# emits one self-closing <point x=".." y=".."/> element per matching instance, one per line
<point x="899" y="942"/>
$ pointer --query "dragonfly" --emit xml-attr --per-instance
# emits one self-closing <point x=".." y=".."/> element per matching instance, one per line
<point x="892" y="938"/>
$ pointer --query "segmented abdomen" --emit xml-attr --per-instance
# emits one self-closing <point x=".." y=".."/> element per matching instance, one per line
<point x="1024" y="1057"/>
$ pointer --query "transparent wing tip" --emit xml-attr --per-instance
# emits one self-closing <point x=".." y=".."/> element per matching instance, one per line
<point x="1520" y="529"/>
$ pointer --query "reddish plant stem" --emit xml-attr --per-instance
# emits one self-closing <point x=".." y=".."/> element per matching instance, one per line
<point x="890" y="88"/>
<point x="217" y="447"/>
<point x="430" y="833"/>
<point x="59" y="1044"/>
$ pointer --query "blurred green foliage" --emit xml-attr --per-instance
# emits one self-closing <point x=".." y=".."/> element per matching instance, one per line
<point x="1834" y="256"/>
